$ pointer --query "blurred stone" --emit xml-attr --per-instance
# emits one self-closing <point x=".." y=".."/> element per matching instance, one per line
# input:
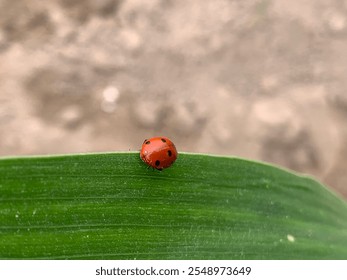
<point x="269" y="82"/>
<point x="147" y="113"/>
<point x="109" y="101"/>
<point x="275" y="114"/>
<point x="129" y="39"/>
<point x="110" y="94"/>
<point x="71" y="115"/>
<point x="337" y="22"/>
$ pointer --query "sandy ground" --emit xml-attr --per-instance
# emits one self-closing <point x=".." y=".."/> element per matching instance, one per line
<point x="260" y="79"/>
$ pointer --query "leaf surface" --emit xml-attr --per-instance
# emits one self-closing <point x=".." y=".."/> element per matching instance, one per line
<point x="111" y="206"/>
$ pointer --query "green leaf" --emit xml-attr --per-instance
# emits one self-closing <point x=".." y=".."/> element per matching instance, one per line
<point x="111" y="206"/>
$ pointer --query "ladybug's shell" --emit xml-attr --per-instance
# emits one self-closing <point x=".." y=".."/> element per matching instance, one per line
<point x="158" y="152"/>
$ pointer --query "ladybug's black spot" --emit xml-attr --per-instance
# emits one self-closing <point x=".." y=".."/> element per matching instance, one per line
<point x="169" y="153"/>
<point x="157" y="162"/>
<point x="162" y="139"/>
<point x="148" y="142"/>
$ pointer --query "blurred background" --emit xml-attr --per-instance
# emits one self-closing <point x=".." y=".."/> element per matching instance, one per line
<point x="261" y="79"/>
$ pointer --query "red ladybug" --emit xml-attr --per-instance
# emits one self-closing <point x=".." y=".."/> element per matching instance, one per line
<point x="158" y="152"/>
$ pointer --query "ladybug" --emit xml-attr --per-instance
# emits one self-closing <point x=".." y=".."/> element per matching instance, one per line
<point x="158" y="152"/>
